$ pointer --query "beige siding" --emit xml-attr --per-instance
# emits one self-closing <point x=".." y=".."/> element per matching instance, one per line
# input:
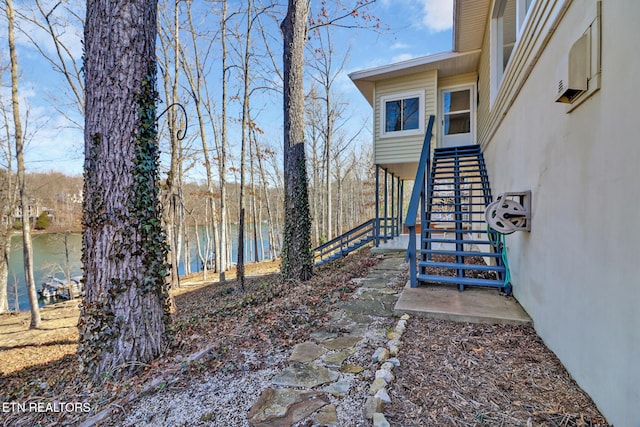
<point x="460" y="79"/>
<point x="484" y="84"/>
<point x="540" y="27"/>
<point x="472" y="14"/>
<point x="403" y="149"/>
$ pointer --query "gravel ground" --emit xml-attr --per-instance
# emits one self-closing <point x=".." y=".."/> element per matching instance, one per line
<point x="224" y="399"/>
<point x="216" y="400"/>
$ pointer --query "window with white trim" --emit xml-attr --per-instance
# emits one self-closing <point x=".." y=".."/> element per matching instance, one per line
<point x="507" y="21"/>
<point x="402" y="114"/>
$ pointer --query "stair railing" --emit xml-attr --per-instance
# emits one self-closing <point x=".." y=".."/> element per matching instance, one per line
<point x="387" y="228"/>
<point x="346" y="242"/>
<point x="418" y="198"/>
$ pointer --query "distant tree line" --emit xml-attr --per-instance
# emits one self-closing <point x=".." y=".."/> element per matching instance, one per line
<point x="225" y="65"/>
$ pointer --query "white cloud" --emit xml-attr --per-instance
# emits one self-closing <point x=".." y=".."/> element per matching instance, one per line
<point x="438" y="14"/>
<point x="402" y="57"/>
<point x="65" y="20"/>
<point x="399" y="45"/>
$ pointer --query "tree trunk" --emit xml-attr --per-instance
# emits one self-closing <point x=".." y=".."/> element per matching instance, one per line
<point x="27" y="249"/>
<point x="270" y="222"/>
<point x="328" y="142"/>
<point x="174" y="176"/>
<point x="222" y="249"/>
<point x="240" y="265"/>
<point x="246" y="122"/>
<point x="5" y="248"/>
<point x="254" y="195"/>
<point x="196" y="85"/>
<point x="126" y="310"/>
<point x="297" y="261"/>
<point x="8" y="200"/>
<point x="186" y="257"/>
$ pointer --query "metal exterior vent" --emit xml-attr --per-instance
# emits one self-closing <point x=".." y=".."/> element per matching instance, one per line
<point x="574" y="72"/>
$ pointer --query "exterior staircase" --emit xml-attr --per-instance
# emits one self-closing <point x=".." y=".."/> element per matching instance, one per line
<point x="453" y="226"/>
<point x="373" y="230"/>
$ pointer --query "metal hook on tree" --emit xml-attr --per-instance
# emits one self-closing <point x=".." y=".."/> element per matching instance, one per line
<point x="180" y="134"/>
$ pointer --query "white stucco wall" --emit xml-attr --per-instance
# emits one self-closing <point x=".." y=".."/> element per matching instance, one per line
<point x="577" y="273"/>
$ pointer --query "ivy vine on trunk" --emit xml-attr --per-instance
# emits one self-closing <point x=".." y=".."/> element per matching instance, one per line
<point x="125" y="315"/>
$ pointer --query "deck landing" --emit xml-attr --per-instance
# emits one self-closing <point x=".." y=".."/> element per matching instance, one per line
<point x="474" y="305"/>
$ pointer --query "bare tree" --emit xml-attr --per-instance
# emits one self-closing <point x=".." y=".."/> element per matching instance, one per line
<point x="24" y="202"/>
<point x="325" y="73"/>
<point x="174" y="212"/>
<point x="314" y="131"/>
<point x="126" y="308"/>
<point x="8" y="199"/>
<point x="261" y="155"/>
<point x="221" y="253"/>
<point x="297" y="260"/>
<point x="59" y="22"/>
<point x="246" y="120"/>
<point x="193" y="68"/>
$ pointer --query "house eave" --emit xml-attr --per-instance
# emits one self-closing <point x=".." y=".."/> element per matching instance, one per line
<point x="469" y="24"/>
<point x="447" y="64"/>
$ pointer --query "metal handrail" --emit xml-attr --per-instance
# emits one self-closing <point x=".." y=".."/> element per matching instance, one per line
<point x="417" y="195"/>
<point x="362" y="234"/>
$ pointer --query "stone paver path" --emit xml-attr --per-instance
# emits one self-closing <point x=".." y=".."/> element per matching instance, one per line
<point x="321" y="373"/>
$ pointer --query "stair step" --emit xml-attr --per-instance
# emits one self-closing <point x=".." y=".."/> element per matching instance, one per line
<point x="452" y="230"/>
<point x="457" y="212"/>
<point x="461" y="253"/>
<point x="474" y="187"/>
<point x="466" y="281"/>
<point x="450" y="158"/>
<point x="466" y="157"/>
<point x="441" y="204"/>
<point x="460" y="179"/>
<point x="463" y="241"/>
<point x="451" y="179"/>
<point x="440" y="176"/>
<point x="459" y="221"/>
<point x="446" y="151"/>
<point x="458" y="266"/>
<point x="453" y="204"/>
<point x="439" y="152"/>
<point x="447" y="167"/>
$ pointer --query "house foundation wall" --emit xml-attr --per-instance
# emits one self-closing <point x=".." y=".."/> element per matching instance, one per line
<point x="576" y="272"/>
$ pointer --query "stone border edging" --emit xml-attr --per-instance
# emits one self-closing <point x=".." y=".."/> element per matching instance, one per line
<point x="388" y="357"/>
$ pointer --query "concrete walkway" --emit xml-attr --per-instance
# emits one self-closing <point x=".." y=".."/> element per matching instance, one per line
<point x="475" y="305"/>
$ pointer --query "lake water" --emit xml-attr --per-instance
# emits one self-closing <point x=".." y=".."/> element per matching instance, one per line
<point x="49" y="259"/>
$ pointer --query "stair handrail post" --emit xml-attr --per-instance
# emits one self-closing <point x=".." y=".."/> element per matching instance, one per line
<point x="377" y="222"/>
<point x="386" y="205"/>
<point x="418" y="194"/>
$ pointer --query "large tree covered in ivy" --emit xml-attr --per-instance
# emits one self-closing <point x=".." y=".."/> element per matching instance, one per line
<point x="297" y="262"/>
<point x="297" y="259"/>
<point x="125" y="313"/>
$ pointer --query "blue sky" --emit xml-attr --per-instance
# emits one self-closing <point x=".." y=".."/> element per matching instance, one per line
<point x="416" y="28"/>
